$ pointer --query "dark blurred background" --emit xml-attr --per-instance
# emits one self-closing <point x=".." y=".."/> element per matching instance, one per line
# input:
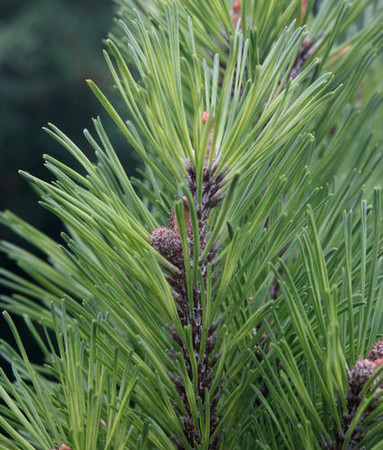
<point x="47" y="50"/>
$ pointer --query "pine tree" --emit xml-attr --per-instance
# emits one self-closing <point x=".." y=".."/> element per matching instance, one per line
<point x="231" y="296"/>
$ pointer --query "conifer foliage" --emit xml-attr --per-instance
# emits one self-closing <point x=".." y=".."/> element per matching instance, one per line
<point x="230" y="297"/>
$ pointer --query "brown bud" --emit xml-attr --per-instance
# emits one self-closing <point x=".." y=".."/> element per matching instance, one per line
<point x="65" y="447"/>
<point x="376" y="351"/>
<point x="303" y="9"/>
<point x="235" y="12"/>
<point x="168" y="243"/>
<point x="361" y="372"/>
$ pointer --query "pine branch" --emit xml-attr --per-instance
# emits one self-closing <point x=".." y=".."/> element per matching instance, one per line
<point x="218" y="301"/>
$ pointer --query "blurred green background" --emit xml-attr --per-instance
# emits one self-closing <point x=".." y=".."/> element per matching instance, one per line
<point x="47" y="50"/>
